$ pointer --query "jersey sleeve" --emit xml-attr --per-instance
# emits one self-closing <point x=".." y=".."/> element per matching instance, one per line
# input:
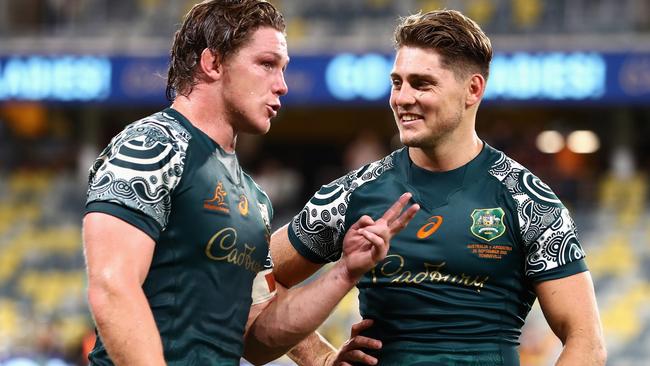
<point x="548" y="234"/>
<point x="134" y="176"/>
<point x="556" y="252"/>
<point x="317" y="232"/>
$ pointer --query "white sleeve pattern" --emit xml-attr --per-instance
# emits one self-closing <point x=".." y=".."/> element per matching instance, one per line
<point x="320" y="226"/>
<point x="548" y="232"/>
<point x="141" y="166"/>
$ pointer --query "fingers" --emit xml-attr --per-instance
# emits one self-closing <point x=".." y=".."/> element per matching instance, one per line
<point x="359" y="327"/>
<point x="365" y="220"/>
<point x="403" y="220"/>
<point x="352" y="351"/>
<point x="379" y="243"/>
<point x="395" y="219"/>
<point x="394" y="211"/>
<point x="363" y="342"/>
<point x="357" y="356"/>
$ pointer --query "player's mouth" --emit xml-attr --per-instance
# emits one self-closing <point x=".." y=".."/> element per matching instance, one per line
<point x="407" y="119"/>
<point x="273" y="109"/>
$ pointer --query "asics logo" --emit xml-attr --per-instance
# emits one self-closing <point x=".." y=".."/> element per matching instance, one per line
<point x="432" y="225"/>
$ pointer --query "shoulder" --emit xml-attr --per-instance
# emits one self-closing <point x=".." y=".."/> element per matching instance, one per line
<point x="366" y="174"/>
<point x="141" y="166"/>
<point x="337" y="195"/>
<point x="318" y="230"/>
<point x="146" y="144"/>
<point x="159" y="129"/>
<point x="546" y="229"/>
<point x="521" y="183"/>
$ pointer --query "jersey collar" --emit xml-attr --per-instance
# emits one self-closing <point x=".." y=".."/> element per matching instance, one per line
<point x="434" y="189"/>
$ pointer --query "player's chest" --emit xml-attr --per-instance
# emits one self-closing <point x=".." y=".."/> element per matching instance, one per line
<point x="225" y="219"/>
<point x="468" y="238"/>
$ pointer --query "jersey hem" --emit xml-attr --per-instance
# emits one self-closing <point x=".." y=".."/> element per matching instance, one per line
<point x="566" y="270"/>
<point x="302" y="249"/>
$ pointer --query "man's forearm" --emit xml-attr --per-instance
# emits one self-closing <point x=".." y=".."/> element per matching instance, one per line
<point x="583" y="351"/>
<point x="296" y="313"/>
<point x="312" y="351"/>
<point x="126" y="325"/>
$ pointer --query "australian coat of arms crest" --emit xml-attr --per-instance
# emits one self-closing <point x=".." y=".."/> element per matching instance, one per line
<point x="487" y="223"/>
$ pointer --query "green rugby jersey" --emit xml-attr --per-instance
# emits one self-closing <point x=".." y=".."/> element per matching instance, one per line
<point x="211" y="226"/>
<point x="456" y="284"/>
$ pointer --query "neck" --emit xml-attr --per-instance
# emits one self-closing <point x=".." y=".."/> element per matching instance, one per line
<point x="207" y="116"/>
<point x="447" y="155"/>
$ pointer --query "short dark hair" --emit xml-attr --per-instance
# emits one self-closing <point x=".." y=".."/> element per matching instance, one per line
<point x="223" y="26"/>
<point x="462" y="44"/>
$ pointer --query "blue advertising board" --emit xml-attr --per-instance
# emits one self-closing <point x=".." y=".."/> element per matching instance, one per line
<point x="341" y="79"/>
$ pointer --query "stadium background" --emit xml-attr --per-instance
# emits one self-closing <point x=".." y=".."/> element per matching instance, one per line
<point x="569" y="97"/>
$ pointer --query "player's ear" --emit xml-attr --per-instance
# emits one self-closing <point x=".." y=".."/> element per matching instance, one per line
<point x="210" y="65"/>
<point x="475" y="89"/>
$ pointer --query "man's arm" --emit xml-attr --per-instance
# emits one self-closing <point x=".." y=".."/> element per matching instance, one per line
<point x="118" y="257"/>
<point x="289" y="266"/>
<point x="569" y="305"/>
<point x="289" y="269"/>
<point x="293" y="315"/>
<point x="314" y="350"/>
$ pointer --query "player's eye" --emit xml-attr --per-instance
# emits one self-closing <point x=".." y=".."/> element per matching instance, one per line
<point x="421" y="85"/>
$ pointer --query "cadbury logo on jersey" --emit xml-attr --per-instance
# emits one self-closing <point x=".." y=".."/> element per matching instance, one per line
<point x="395" y="269"/>
<point x="218" y="201"/>
<point x="224" y="247"/>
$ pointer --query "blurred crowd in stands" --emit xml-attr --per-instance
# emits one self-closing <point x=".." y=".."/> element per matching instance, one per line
<point x="329" y="22"/>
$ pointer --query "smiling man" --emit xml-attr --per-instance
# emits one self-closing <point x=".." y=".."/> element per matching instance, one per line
<point x="489" y="239"/>
<point x="176" y="235"/>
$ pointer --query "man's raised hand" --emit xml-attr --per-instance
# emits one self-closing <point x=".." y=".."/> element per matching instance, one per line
<point x="367" y="241"/>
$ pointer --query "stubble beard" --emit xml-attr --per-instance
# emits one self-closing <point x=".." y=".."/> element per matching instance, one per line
<point x="432" y="138"/>
<point x="244" y="121"/>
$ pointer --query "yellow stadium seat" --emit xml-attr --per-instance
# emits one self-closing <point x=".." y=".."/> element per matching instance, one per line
<point x="9" y="319"/>
<point x="615" y="257"/>
<point x="526" y="13"/>
<point x="481" y="11"/>
<point x="621" y="319"/>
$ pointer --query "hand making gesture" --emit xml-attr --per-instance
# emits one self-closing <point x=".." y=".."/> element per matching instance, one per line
<point x="367" y="241"/>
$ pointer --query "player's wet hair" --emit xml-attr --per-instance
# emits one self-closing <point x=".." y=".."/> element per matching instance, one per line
<point x="223" y="26"/>
<point x="462" y="45"/>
